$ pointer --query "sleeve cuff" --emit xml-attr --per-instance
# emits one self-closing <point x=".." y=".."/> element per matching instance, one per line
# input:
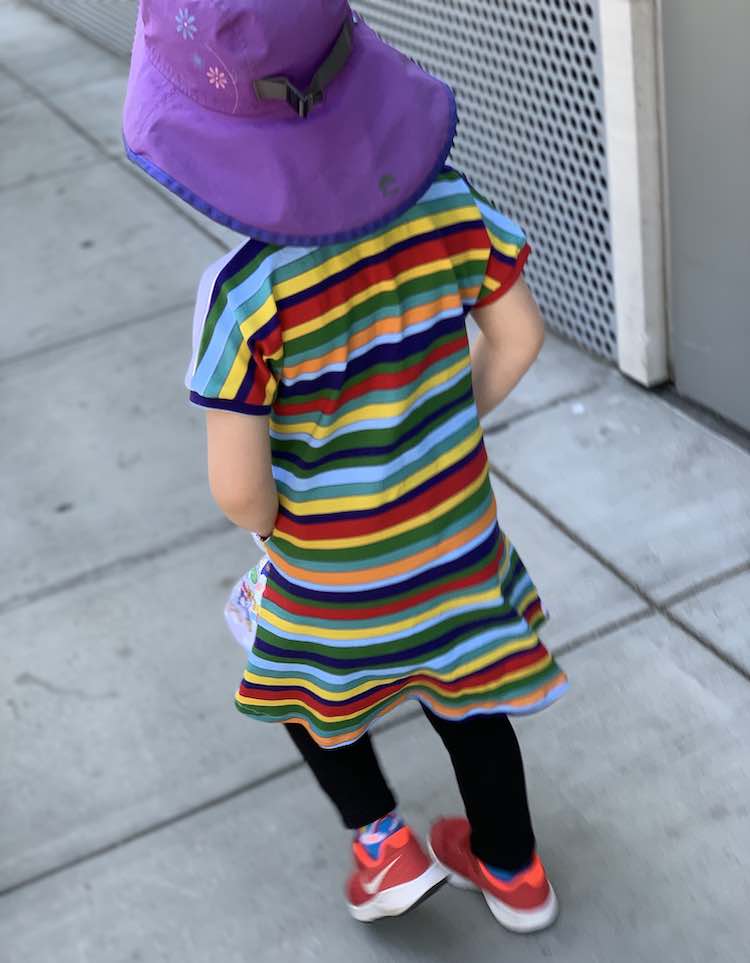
<point x="229" y="404"/>
<point x="508" y="283"/>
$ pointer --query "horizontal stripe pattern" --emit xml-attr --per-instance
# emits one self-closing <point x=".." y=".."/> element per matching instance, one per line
<point x="389" y="576"/>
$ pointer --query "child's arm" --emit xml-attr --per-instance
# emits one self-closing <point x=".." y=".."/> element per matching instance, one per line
<point x="511" y="336"/>
<point x="239" y="469"/>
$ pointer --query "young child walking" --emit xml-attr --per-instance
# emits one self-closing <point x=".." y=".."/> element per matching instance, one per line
<point x="343" y="403"/>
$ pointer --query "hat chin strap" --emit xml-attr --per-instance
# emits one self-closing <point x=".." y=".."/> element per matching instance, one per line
<point x="281" y="88"/>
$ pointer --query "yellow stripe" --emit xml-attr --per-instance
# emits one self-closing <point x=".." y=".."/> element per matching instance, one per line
<point x="237" y="372"/>
<point x="386" y="324"/>
<point x="526" y="601"/>
<point x="381" y="242"/>
<point x="381" y="499"/>
<point x="467" y="668"/>
<point x="418" y="520"/>
<point x="417" y="684"/>
<point x="505" y="247"/>
<point x="361" y="297"/>
<point x="382" y="410"/>
<point x="255" y="321"/>
<point x="241" y="361"/>
<point x="412" y="622"/>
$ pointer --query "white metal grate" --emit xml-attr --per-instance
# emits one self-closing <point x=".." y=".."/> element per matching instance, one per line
<point x="528" y="76"/>
<point x="531" y="135"/>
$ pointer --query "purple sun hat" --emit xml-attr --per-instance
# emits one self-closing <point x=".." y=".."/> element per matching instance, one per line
<point x="287" y="120"/>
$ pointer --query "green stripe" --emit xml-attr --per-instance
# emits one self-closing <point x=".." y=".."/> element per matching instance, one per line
<point x="372" y="438"/>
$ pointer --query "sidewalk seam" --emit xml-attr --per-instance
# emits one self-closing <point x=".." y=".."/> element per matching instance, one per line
<point x="183" y="540"/>
<point x="579" y="641"/>
<point x="120" y="162"/>
<point x="724" y="576"/>
<point x="84" y="336"/>
<point x="34" y="179"/>
<point x="259" y="782"/>
<point x="644" y="596"/>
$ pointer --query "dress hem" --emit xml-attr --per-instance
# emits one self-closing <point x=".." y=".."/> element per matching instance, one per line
<point x="554" y="692"/>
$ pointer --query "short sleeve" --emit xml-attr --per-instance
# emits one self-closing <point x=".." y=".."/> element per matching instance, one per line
<point x="237" y="344"/>
<point x="507" y="255"/>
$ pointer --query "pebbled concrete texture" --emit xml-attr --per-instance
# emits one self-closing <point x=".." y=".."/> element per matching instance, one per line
<point x="47" y="55"/>
<point x="108" y="455"/>
<point x="561" y="371"/>
<point x="34" y="122"/>
<point x="120" y="702"/>
<point x="11" y="92"/>
<point x="721" y="614"/>
<point x="96" y="107"/>
<point x="140" y="259"/>
<point x="640" y="874"/>
<point x="143" y="818"/>
<point x="581" y="594"/>
<point x="661" y="496"/>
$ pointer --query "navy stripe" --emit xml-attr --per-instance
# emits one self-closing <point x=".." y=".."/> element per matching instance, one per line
<point x="379" y="257"/>
<point x="392" y="352"/>
<point x="472" y="626"/>
<point x="392" y="590"/>
<point x="431" y="482"/>
<point x="229" y="404"/>
<point x="371" y="451"/>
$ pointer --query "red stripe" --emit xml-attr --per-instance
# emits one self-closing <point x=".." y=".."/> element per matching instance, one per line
<point x="507" y="277"/>
<point x="493" y="673"/>
<point x="422" y="252"/>
<point x="388" y="608"/>
<point x="362" y="525"/>
<point x="382" y="380"/>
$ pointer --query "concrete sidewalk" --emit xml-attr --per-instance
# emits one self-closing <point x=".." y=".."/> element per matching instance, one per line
<point x="143" y="818"/>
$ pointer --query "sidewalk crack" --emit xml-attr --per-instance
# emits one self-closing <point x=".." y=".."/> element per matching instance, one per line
<point x="117" y="565"/>
<point x="651" y="603"/>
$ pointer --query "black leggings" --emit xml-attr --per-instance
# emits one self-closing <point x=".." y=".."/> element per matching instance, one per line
<point x="488" y="766"/>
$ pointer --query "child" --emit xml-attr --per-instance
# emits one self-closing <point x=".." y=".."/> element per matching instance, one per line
<point x="343" y="405"/>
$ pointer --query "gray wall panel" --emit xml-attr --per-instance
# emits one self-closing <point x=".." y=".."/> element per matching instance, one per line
<point x="707" y="95"/>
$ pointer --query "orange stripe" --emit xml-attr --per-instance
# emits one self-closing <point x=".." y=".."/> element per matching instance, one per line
<point x="388" y="325"/>
<point x="439" y="707"/>
<point x="382" y="572"/>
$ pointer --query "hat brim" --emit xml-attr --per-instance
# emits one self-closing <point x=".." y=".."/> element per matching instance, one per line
<point x="360" y="159"/>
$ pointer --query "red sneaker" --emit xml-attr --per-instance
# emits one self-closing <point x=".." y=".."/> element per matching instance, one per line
<point x="524" y="904"/>
<point x="399" y="878"/>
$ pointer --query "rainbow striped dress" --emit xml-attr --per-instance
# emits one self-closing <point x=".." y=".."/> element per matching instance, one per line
<point x="388" y="577"/>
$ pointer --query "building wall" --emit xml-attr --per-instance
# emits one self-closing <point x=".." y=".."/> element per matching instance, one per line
<point x="707" y="113"/>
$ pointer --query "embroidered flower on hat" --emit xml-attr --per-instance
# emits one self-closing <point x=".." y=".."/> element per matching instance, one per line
<point x="186" y="25"/>
<point x="217" y="77"/>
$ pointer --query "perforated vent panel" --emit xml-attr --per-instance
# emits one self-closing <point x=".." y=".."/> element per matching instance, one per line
<point x="527" y="76"/>
<point x="109" y="22"/>
<point x="531" y="134"/>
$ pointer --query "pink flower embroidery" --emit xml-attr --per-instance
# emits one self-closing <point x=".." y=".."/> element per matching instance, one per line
<point x="217" y="78"/>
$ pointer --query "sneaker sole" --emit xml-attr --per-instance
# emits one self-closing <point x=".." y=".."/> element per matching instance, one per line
<point x="517" y="921"/>
<point x="524" y="921"/>
<point x="397" y="900"/>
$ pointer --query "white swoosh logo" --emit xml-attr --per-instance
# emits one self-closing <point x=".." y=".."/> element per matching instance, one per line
<point x="374" y="884"/>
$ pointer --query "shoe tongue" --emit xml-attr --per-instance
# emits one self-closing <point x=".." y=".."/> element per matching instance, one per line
<point x="372" y="836"/>
<point x="506" y="876"/>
